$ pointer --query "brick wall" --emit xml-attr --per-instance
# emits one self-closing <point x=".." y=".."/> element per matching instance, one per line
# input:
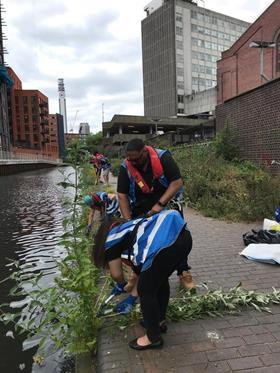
<point x="254" y="117"/>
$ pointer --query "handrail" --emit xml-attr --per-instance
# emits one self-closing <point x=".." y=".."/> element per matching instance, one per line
<point x="17" y="156"/>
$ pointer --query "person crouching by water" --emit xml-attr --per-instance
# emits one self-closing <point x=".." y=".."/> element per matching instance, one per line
<point x="105" y="204"/>
<point x="155" y="246"/>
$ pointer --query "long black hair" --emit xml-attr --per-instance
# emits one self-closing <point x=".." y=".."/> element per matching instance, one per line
<point x="98" y="250"/>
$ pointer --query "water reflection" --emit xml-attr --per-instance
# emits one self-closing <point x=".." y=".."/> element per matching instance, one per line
<point x="30" y="225"/>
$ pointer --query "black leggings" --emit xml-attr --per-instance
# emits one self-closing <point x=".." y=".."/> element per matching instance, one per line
<point x="153" y="285"/>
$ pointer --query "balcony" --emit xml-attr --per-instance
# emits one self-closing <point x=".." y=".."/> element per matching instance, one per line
<point x="44" y="132"/>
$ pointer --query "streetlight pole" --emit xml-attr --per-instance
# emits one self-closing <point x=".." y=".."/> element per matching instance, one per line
<point x="102" y="106"/>
<point x="155" y="120"/>
<point x="262" y="45"/>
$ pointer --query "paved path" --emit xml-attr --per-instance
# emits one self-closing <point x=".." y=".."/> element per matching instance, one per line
<point x="249" y="342"/>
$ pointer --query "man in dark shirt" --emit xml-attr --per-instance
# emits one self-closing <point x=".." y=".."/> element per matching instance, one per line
<point x="158" y="195"/>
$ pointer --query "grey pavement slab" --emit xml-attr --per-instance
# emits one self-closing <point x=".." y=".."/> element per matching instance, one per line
<point x="249" y="342"/>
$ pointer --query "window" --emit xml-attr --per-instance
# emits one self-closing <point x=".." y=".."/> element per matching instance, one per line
<point x="180" y="111"/>
<point x="179" y="44"/>
<point x="180" y="71"/>
<point x="25" y="109"/>
<point x="180" y="58"/>
<point x="214" y="33"/>
<point x="179" y="17"/>
<point x="179" y="30"/>
<point x="198" y="42"/>
<point x="24" y="100"/>
<point x="180" y="99"/>
<point x="194" y="28"/>
<point x="33" y="100"/>
<point x="180" y="85"/>
<point x="200" y="16"/>
<point x="207" y="19"/>
<point x="194" y="14"/>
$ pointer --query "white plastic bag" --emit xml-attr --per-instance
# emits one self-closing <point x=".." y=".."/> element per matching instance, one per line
<point x="271" y="225"/>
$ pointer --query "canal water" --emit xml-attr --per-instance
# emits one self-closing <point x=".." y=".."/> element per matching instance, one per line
<point x="31" y="216"/>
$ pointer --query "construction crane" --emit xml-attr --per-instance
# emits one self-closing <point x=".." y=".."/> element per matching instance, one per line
<point x="74" y="122"/>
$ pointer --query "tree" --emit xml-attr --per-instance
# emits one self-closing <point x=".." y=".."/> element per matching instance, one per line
<point x="94" y="142"/>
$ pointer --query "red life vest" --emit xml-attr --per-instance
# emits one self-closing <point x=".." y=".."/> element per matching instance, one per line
<point x="156" y="168"/>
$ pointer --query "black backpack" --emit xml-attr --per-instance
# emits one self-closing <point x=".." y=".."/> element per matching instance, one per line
<point x="261" y="236"/>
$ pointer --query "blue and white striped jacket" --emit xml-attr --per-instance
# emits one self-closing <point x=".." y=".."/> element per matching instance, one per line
<point x="112" y="205"/>
<point x="153" y="235"/>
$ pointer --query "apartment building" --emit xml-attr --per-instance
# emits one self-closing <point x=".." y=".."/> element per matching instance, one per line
<point x="181" y="43"/>
<point x="28" y="117"/>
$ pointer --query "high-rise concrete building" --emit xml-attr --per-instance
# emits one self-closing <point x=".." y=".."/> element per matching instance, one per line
<point x="62" y="102"/>
<point x="181" y="43"/>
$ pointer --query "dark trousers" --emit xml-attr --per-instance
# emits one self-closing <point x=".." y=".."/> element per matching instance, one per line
<point x="153" y="285"/>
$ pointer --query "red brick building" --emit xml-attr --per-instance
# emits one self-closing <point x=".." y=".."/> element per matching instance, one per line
<point x="249" y="90"/>
<point x="244" y="67"/>
<point x="71" y="136"/>
<point x="29" y="121"/>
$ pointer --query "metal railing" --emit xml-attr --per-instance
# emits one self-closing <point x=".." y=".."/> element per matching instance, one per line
<point x="36" y="158"/>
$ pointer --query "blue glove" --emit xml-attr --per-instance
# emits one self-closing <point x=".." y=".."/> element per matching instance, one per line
<point x="277" y="214"/>
<point x="126" y="305"/>
<point x="88" y="229"/>
<point x="118" y="289"/>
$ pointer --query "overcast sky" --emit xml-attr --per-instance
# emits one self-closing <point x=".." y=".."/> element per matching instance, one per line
<point x="95" y="45"/>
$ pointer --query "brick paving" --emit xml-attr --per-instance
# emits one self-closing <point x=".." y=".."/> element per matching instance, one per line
<point x="249" y="342"/>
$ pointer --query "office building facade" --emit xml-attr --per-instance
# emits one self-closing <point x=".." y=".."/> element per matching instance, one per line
<point x="181" y="43"/>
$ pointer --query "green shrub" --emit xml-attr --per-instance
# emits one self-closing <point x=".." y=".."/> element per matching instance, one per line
<point x="224" y="144"/>
<point x="116" y="163"/>
<point x="236" y="190"/>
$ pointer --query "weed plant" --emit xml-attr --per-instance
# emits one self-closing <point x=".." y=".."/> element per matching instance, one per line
<point x="66" y="310"/>
<point x="229" y="189"/>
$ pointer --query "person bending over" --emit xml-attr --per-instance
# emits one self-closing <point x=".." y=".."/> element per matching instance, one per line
<point x="105" y="204"/>
<point x="155" y="246"/>
<point x="149" y="179"/>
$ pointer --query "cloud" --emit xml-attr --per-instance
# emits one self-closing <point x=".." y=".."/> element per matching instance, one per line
<point x="81" y="36"/>
<point x="94" y="45"/>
